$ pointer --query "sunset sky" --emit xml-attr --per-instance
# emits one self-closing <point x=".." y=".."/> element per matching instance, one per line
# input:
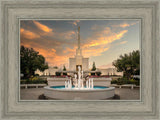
<point x="103" y="41"/>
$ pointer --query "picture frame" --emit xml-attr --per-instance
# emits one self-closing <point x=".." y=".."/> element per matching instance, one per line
<point x="146" y="11"/>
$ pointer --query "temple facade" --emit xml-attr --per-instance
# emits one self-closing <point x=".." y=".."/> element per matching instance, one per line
<point x="78" y="60"/>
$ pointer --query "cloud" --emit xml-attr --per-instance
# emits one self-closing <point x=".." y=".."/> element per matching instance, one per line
<point x="66" y="35"/>
<point x="103" y="38"/>
<point x="70" y="51"/>
<point x="28" y="34"/>
<point x="42" y="27"/>
<point x="94" y="51"/>
<point x="123" y="42"/>
<point x="53" y="50"/>
<point x="124" y="25"/>
<point x="108" y="39"/>
<point x="75" y="23"/>
<point x="57" y="47"/>
<point x="100" y="41"/>
<point x="52" y="58"/>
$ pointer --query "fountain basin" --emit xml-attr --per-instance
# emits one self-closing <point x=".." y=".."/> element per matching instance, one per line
<point x="62" y="93"/>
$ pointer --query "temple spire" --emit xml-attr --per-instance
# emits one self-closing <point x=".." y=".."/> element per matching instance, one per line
<point x="78" y="51"/>
<point x="78" y="37"/>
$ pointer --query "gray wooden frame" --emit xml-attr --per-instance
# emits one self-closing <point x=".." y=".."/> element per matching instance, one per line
<point x="13" y="10"/>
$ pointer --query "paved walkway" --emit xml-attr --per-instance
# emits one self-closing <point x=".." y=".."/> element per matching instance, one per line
<point x="124" y="93"/>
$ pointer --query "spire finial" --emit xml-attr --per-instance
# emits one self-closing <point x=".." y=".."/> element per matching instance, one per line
<point x="78" y="37"/>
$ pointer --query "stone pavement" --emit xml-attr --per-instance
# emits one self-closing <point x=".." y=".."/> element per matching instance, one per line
<point x="124" y="93"/>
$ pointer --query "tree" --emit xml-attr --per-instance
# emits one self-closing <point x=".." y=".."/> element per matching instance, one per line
<point x="55" y="67"/>
<point x="93" y="68"/>
<point x="129" y="64"/>
<point x="31" y="61"/>
<point x="64" y="69"/>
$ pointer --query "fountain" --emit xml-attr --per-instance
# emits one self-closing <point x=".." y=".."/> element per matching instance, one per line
<point x="79" y="91"/>
<point x="79" y="81"/>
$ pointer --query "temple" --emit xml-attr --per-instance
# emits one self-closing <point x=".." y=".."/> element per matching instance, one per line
<point x="78" y="60"/>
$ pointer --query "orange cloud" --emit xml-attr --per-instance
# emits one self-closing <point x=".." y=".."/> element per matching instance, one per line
<point x="53" y="50"/>
<point x="42" y="27"/>
<point x="21" y="30"/>
<point x="124" y="25"/>
<point x="26" y="45"/>
<point x="94" y="51"/>
<point x="68" y="35"/>
<point x="104" y="40"/>
<point x="64" y="35"/>
<point x="51" y="57"/>
<point x="98" y="42"/>
<point x="95" y="44"/>
<point x="123" y="42"/>
<point x="75" y="22"/>
<point x="71" y="51"/>
<point x="28" y="34"/>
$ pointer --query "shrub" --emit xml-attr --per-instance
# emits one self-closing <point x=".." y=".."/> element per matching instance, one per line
<point x="124" y="80"/>
<point x="23" y="81"/>
<point x="33" y="78"/>
<point x="34" y="81"/>
<point x="58" y="73"/>
<point x="136" y="81"/>
<point x="64" y="73"/>
<point x="132" y="81"/>
<point x="120" y="81"/>
<point x="36" y="75"/>
<point x="114" y="82"/>
<point x="93" y="74"/>
<point x="98" y="73"/>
